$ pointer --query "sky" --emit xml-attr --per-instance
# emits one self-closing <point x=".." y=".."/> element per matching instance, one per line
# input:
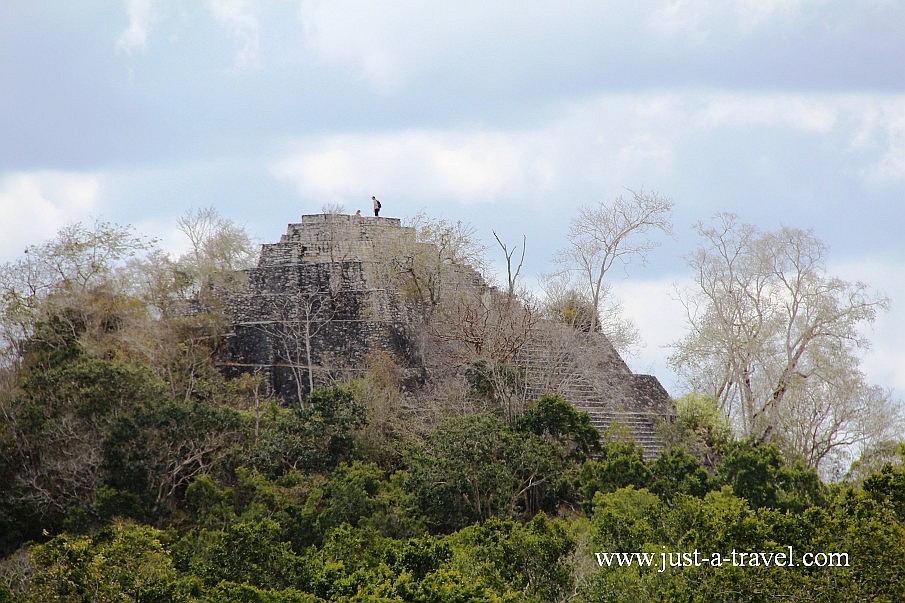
<point x="508" y="115"/>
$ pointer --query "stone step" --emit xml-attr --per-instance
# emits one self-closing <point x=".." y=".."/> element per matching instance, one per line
<point x="642" y="427"/>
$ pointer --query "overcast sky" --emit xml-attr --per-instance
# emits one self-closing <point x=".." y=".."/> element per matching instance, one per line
<point x="504" y="114"/>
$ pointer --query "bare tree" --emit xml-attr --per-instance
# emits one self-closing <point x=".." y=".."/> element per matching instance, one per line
<point x="486" y="332"/>
<point x="72" y="281"/>
<point x="333" y="208"/>
<point x="512" y="273"/>
<point x="221" y="249"/>
<point x="442" y="257"/>
<point x="604" y="234"/>
<point x="433" y="271"/>
<point x="462" y="322"/>
<point x="299" y="316"/>
<point x="774" y="338"/>
<point x="490" y="324"/>
<point x="185" y="297"/>
<point x="564" y="303"/>
<point x="827" y="422"/>
<point x="251" y="394"/>
<point x="297" y="320"/>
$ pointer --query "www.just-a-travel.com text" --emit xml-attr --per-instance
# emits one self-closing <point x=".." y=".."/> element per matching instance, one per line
<point x="675" y="559"/>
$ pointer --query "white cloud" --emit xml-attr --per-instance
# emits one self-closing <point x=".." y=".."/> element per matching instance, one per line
<point x="754" y="13"/>
<point x="816" y="114"/>
<point x="700" y="21"/>
<point x="605" y="144"/>
<point x="599" y="145"/>
<point x="872" y="126"/>
<point x="392" y="44"/>
<point x="653" y="128"/>
<point x="141" y="21"/>
<point x="684" y="17"/>
<point x="239" y="18"/>
<point x="884" y="362"/>
<point x="33" y="206"/>
<point x="474" y="167"/>
<point x="660" y="317"/>
<point x="884" y="127"/>
<point x="371" y="38"/>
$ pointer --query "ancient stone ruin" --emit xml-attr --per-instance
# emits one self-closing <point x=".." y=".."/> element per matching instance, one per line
<point x="320" y="300"/>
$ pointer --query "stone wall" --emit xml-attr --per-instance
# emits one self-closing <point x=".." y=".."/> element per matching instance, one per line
<point x="318" y="293"/>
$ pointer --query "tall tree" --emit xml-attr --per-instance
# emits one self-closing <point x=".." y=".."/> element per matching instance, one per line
<point x="437" y="271"/>
<point x="474" y="467"/>
<point x="71" y="284"/>
<point x="221" y="249"/>
<point x="512" y="272"/>
<point x="602" y="235"/>
<point x="297" y="321"/>
<point x="188" y="293"/>
<point x="775" y="339"/>
<point x="431" y="267"/>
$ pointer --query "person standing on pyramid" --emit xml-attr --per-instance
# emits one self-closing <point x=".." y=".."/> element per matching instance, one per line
<point x="376" y="206"/>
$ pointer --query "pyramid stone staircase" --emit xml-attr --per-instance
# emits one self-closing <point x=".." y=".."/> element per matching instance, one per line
<point x="586" y="371"/>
